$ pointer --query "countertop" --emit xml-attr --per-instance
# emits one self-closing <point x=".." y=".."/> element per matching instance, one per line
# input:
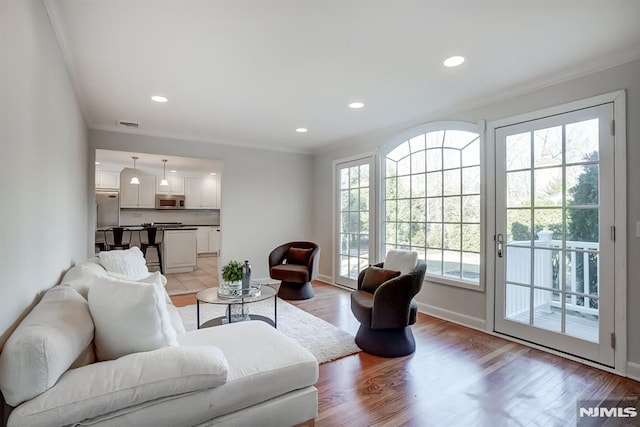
<point x="162" y="227"/>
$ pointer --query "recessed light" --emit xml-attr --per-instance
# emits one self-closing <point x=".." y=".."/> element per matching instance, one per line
<point x="302" y="130"/>
<point x="453" y="61"/>
<point x="97" y="163"/>
<point x="212" y="174"/>
<point x="173" y="171"/>
<point x="356" y="105"/>
<point x="158" y="98"/>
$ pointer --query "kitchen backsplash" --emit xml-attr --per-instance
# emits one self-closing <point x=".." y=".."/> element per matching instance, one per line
<point x="186" y="216"/>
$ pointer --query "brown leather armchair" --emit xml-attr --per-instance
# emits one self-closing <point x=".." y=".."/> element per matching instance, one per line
<point x="295" y="264"/>
<point x="386" y="313"/>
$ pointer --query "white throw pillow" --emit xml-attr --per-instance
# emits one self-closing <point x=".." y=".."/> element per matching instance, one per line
<point x="400" y="260"/>
<point x="81" y="277"/>
<point x="129" y="262"/>
<point x="103" y="388"/>
<point x="45" y="344"/>
<point x="129" y="317"/>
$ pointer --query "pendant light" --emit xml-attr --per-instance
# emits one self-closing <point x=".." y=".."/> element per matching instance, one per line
<point x="134" y="178"/>
<point x="164" y="181"/>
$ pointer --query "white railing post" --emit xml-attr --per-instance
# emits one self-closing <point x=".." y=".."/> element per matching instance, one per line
<point x="543" y="272"/>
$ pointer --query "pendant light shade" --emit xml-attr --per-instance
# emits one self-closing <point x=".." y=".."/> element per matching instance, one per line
<point x="164" y="181"/>
<point x="134" y="178"/>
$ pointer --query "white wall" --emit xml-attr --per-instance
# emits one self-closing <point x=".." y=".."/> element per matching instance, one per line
<point x="468" y="305"/>
<point x="266" y="197"/>
<point x="43" y="168"/>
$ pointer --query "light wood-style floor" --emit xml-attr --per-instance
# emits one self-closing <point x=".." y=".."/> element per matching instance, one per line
<point x="457" y="377"/>
<point x="204" y="276"/>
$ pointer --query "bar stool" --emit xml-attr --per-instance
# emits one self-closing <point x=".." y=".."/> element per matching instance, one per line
<point x="151" y="238"/>
<point x="120" y="238"/>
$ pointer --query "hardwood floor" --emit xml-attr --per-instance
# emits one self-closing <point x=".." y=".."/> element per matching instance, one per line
<point x="456" y="377"/>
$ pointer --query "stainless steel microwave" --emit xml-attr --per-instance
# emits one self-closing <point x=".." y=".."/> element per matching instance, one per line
<point x="169" y="202"/>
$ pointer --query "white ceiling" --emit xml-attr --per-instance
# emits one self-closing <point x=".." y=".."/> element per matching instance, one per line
<point x="250" y="72"/>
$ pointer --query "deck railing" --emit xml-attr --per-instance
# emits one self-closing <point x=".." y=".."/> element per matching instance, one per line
<point x="548" y="275"/>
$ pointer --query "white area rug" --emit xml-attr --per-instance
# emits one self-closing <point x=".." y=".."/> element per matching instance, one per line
<point x="322" y="339"/>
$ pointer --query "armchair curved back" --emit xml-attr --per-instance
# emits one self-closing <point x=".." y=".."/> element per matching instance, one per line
<point x="392" y="299"/>
<point x="279" y="255"/>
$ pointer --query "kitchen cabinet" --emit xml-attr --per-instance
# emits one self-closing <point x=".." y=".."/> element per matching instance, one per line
<point x="108" y="180"/>
<point x="175" y="187"/>
<point x="202" y="193"/>
<point x="208" y="240"/>
<point x="141" y="195"/>
<point x="179" y="251"/>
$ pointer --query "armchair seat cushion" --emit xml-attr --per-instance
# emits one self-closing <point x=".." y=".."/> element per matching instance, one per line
<point x="362" y="306"/>
<point x="290" y="273"/>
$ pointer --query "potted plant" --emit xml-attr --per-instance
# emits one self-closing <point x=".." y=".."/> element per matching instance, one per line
<point x="232" y="273"/>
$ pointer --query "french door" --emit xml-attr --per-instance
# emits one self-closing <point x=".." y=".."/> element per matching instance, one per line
<point x="355" y="215"/>
<point x="555" y="232"/>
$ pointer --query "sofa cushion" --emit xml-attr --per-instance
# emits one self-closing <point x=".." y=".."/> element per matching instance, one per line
<point x="106" y="387"/>
<point x="299" y="256"/>
<point x="45" y="344"/>
<point x="376" y="276"/>
<point x="82" y="275"/>
<point x="401" y="260"/>
<point x="130" y="263"/>
<point x="129" y="317"/>
<point x="263" y="364"/>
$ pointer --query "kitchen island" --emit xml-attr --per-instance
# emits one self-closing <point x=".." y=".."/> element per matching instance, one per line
<point x="179" y="246"/>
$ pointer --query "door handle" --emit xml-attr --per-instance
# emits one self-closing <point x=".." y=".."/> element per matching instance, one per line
<point x="499" y="245"/>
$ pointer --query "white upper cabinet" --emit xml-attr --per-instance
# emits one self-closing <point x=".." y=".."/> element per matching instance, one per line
<point x="107" y="180"/>
<point x="176" y="185"/>
<point x="141" y="195"/>
<point x="202" y="193"/>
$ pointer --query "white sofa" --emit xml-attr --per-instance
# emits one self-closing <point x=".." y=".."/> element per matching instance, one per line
<point x="242" y="374"/>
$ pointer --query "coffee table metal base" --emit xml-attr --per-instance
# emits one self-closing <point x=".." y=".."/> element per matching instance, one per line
<point x="223" y="320"/>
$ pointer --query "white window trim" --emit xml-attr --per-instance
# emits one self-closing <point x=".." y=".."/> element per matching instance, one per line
<point x="620" y="294"/>
<point x="387" y="147"/>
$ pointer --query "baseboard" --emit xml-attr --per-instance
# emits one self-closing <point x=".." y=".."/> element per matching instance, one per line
<point x="325" y="279"/>
<point x="452" y="316"/>
<point x="633" y="371"/>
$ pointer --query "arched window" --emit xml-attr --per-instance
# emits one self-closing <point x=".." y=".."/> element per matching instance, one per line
<point x="431" y="199"/>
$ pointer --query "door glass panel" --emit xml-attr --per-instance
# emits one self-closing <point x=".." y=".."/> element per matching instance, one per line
<point x="518" y="303"/>
<point x="519" y="265"/>
<point x="582" y="141"/>
<point x="583" y="325"/>
<point x="548" y="224"/>
<point x="519" y="226"/>
<point x="518" y="189"/>
<point x="546" y="270"/>
<point x="518" y="151"/>
<point x="548" y="187"/>
<point x="583" y="225"/>
<point x="545" y="316"/>
<point x="547" y="147"/>
<point x="582" y="185"/>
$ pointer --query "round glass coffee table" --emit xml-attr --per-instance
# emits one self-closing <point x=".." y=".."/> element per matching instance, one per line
<point x="237" y="307"/>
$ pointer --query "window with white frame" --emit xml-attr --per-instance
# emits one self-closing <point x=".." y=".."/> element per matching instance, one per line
<point x="431" y="201"/>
